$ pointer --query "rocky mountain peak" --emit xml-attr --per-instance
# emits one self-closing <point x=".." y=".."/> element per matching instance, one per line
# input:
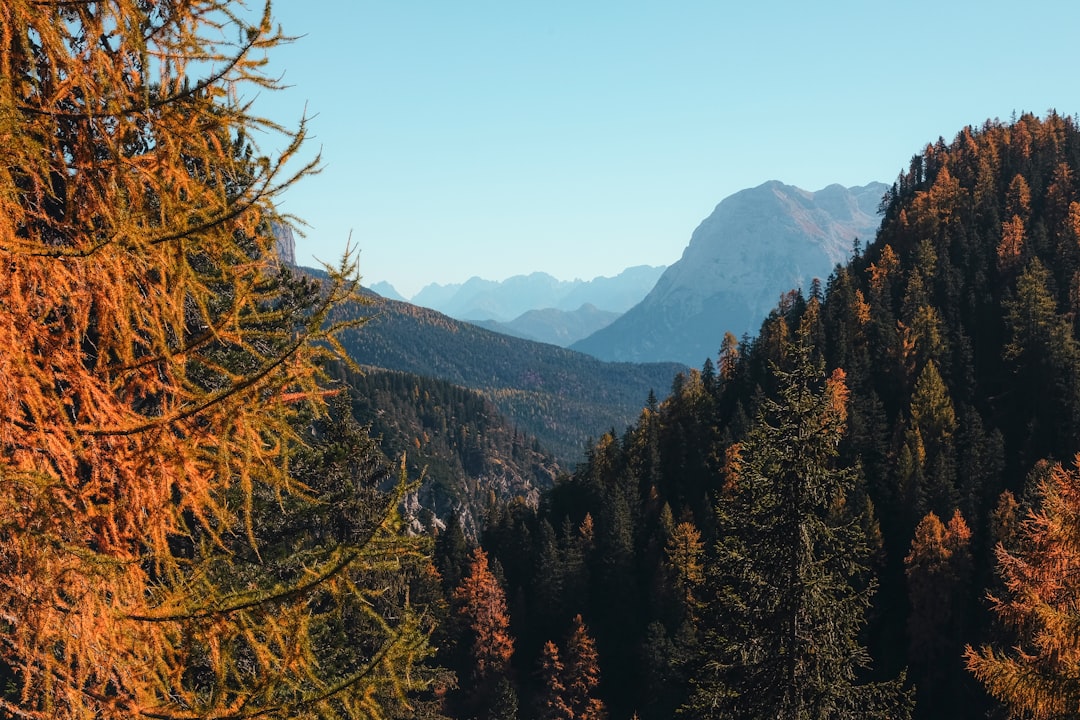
<point x="756" y="245"/>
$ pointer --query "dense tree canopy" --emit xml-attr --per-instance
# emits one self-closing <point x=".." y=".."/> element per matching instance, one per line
<point x="956" y="333"/>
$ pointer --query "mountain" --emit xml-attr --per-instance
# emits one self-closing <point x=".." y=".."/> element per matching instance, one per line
<point x="480" y="299"/>
<point x="554" y="326"/>
<point x="560" y="397"/>
<point x="756" y="245"/>
<point x="387" y="291"/>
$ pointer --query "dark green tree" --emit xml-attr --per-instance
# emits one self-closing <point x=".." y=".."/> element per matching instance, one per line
<point x="788" y="579"/>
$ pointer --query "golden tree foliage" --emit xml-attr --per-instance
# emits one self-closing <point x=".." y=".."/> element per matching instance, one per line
<point x="1040" y="676"/>
<point x="685" y="552"/>
<point x="152" y="356"/>
<point x="483" y="605"/>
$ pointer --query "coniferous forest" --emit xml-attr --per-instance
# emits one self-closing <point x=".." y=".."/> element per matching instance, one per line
<point x="870" y="509"/>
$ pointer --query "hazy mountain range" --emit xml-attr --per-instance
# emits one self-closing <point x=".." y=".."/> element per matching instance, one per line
<point x="756" y="245"/>
<point x="506" y="300"/>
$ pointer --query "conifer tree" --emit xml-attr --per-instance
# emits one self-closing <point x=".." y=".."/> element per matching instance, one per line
<point x="553" y="705"/>
<point x="156" y="361"/>
<point x="939" y="574"/>
<point x="570" y="679"/>
<point x="582" y="674"/>
<point x="787" y="601"/>
<point x="1040" y="676"/>
<point x="482" y="602"/>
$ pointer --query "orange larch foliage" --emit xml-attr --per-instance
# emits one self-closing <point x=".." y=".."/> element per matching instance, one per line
<point x="836" y="398"/>
<point x="582" y="674"/>
<point x="146" y="344"/>
<point x="1038" y="677"/>
<point x="553" y="699"/>
<point x="685" y="552"/>
<point x="1018" y="198"/>
<point x="482" y="602"/>
<point x="939" y="569"/>
<point x="1011" y="247"/>
<point x="862" y="308"/>
<point x="731" y="467"/>
<point x="880" y="271"/>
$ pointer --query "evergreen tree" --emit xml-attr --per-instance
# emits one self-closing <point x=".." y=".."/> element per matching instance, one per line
<point x="788" y="595"/>
<point x="581" y="674"/>
<point x="939" y="574"/>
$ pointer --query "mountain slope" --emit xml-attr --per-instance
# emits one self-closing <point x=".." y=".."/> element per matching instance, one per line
<point x="558" y="396"/>
<point x="953" y="347"/>
<point x="756" y="245"/>
<point x="456" y="440"/>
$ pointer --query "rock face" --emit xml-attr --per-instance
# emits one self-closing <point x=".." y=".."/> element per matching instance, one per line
<point x="286" y="243"/>
<point x="756" y="245"/>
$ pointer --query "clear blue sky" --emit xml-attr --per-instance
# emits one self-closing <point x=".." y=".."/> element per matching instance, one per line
<point x="465" y="137"/>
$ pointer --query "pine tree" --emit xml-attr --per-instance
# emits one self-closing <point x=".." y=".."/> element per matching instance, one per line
<point x="1040" y="676"/>
<point x="787" y="600"/>
<point x="157" y="360"/>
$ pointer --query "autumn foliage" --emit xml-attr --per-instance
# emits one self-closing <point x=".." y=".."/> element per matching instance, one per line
<point x="570" y="683"/>
<point x="1039" y="677"/>
<point x="148" y="337"/>
<point x="483" y="605"/>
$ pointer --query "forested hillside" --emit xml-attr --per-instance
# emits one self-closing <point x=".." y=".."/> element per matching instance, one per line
<point x="466" y="454"/>
<point x="811" y="525"/>
<point x="560" y="397"/>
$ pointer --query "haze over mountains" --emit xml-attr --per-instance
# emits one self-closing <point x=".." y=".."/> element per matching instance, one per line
<point x="479" y="299"/>
<point x="756" y="245"/>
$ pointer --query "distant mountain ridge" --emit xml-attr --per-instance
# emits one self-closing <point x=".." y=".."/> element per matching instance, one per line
<point x="387" y="291"/>
<point x="480" y="299"/>
<point x="554" y="326"/>
<point x="756" y="245"/>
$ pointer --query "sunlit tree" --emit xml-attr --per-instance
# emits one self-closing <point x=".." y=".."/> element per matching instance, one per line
<point x="155" y="358"/>
<point x="1040" y="676"/>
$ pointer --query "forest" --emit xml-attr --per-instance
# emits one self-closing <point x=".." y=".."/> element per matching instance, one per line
<point x="870" y="509"/>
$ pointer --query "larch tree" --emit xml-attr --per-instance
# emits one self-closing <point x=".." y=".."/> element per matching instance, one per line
<point x="481" y="602"/>
<point x="156" y="361"/>
<point x="1039" y="677"/>
<point x="582" y="674"/>
<point x="552" y="704"/>
<point x="787" y="582"/>
<point x="570" y="683"/>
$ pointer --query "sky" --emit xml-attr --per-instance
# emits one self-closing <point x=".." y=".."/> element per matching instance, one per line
<point x="491" y="139"/>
